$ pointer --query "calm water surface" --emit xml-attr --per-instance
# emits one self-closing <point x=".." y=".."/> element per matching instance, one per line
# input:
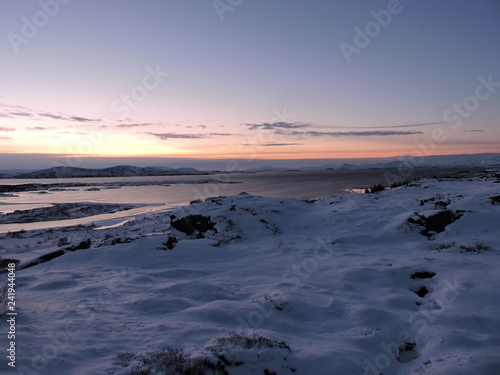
<point x="300" y="184"/>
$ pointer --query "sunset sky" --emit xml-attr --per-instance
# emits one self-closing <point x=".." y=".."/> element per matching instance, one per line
<point x="223" y="79"/>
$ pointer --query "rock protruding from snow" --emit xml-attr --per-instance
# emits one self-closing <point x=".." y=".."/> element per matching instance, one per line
<point x="191" y="223"/>
<point x="435" y="221"/>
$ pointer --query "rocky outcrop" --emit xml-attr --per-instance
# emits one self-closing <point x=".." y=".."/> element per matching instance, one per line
<point x="435" y="221"/>
<point x="191" y="223"/>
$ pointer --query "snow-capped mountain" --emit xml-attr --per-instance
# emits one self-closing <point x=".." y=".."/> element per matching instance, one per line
<point x="117" y="171"/>
<point x="432" y="161"/>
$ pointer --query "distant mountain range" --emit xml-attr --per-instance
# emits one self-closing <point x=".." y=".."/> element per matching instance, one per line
<point x="434" y="161"/>
<point x="117" y="171"/>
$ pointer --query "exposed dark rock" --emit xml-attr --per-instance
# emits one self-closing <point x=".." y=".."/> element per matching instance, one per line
<point x="421" y="292"/>
<point x="310" y="200"/>
<point x="407" y="352"/>
<point x="60" y="211"/>
<point x="20" y="188"/>
<point x="118" y="240"/>
<point x="436" y="223"/>
<point x="495" y="199"/>
<point x="81" y="246"/>
<point x="191" y="223"/>
<point x="4" y="263"/>
<point x="423" y="275"/>
<point x="478" y="248"/>
<point x="171" y="242"/>
<point x="50" y="256"/>
<point x="375" y="189"/>
<point x="441" y="204"/>
<point x="45" y="258"/>
<point x="272" y="227"/>
<point x="55" y="254"/>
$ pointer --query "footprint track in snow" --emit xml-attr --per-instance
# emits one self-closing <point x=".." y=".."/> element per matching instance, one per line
<point x="422" y="290"/>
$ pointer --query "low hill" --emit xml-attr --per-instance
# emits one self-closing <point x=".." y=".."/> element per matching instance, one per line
<point x="116" y="171"/>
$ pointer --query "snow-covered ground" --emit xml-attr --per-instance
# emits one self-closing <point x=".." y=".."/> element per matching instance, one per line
<point x="404" y="281"/>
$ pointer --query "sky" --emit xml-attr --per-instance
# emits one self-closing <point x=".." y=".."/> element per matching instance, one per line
<point x="246" y="79"/>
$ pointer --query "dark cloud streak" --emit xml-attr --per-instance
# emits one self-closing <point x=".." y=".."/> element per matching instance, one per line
<point x="399" y="126"/>
<point x="81" y="119"/>
<point x="280" y="144"/>
<point x="219" y="134"/>
<point x="278" y="125"/>
<point x="35" y="128"/>
<point x="377" y="133"/>
<point x="134" y="125"/>
<point x="22" y="114"/>
<point x="166" y="136"/>
<point x="20" y="111"/>
<point x="50" y="115"/>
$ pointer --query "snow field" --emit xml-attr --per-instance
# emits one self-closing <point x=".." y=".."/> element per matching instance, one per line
<point x="343" y="285"/>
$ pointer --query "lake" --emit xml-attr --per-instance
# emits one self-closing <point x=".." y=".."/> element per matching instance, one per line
<point x="162" y="194"/>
